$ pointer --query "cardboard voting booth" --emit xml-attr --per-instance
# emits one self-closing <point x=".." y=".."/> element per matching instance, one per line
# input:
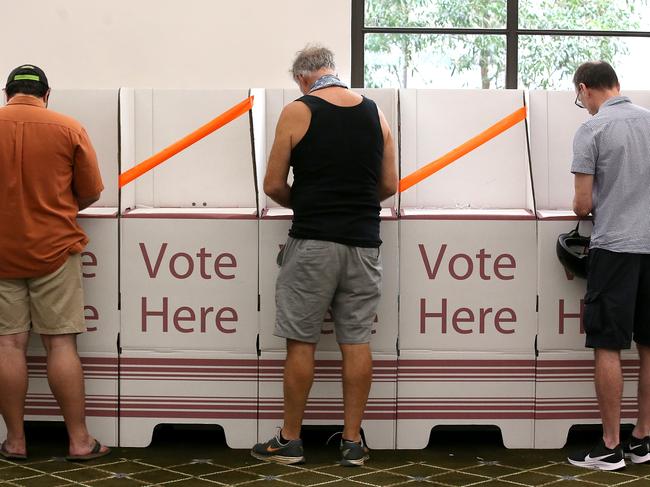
<point x="97" y="111"/>
<point x="325" y="405"/>
<point x="189" y="265"/>
<point x="467" y="270"/>
<point x="564" y="380"/>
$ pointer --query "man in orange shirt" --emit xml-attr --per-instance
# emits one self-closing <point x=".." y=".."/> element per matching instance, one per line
<point x="48" y="173"/>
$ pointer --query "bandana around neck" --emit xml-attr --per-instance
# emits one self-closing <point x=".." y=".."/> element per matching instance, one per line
<point x="327" y="81"/>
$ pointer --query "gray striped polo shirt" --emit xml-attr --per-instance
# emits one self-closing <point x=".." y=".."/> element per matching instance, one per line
<point x="614" y="146"/>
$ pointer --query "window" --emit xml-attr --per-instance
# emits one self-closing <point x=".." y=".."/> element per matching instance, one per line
<point x="534" y="44"/>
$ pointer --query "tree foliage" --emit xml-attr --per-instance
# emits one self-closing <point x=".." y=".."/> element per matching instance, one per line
<point x="543" y="60"/>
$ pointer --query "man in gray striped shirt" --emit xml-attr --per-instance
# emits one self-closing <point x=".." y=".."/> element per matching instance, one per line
<point x="611" y="163"/>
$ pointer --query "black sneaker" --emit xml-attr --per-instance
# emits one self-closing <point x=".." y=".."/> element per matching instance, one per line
<point x="353" y="454"/>
<point x="638" y="451"/>
<point x="600" y="458"/>
<point x="274" y="450"/>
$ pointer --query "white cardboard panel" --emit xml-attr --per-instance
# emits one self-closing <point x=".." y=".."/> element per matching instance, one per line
<point x="468" y="284"/>
<point x="97" y="111"/>
<point x="101" y="384"/>
<point x="259" y="140"/>
<point x="564" y="119"/>
<point x="325" y="404"/>
<point x="561" y="294"/>
<point x="144" y="146"/>
<point x="465" y="388"/>
<point x="217" y="170"/>
<point x="99" y="268"/>
<point x="538" y="136"/>
<point x="433" y="122"/>
<point x="127" y="145"/>
<point x="554" y="121"/>
<point x="189" y="282"/>
<point x="188" y="388"/>
<point x="565" y="394"/>
<point x="273" y="235"/>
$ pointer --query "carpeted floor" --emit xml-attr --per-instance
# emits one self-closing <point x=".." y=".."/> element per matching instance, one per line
<point x="192" y="456"/>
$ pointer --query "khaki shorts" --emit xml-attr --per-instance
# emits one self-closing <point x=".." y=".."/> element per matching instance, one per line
<point x="50" y="305"/>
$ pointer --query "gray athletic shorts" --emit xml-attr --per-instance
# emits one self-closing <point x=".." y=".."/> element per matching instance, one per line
<point x="316" y="275"/>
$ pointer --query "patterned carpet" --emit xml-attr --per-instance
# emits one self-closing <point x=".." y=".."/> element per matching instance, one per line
<point x="199" y="457"/>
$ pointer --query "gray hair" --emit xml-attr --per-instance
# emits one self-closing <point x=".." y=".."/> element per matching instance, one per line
<point x="312" y="58"/>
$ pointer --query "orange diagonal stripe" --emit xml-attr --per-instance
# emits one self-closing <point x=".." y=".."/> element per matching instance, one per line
<point x="226" y="117"/>
<point x="424" y="172"/>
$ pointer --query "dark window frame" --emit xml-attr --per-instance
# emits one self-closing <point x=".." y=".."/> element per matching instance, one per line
<point x="511" y="33"/>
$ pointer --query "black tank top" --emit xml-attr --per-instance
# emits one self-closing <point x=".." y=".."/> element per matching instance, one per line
<point x="336" y="168"/>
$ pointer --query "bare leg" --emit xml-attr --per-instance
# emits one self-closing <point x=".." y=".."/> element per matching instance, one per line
<point x="357" y="378"/>
<point x="13" y="388"/>
<point x="642" y="428"/>
<point x="609" y="390"/>
<point x="66" y="380"/>
<point x="298" y="378"/>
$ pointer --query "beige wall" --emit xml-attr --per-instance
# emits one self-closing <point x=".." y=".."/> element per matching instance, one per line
<point x="170" y="43"/>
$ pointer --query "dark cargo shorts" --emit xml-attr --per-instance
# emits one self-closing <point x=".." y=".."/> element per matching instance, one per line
<point x="316" y="275"/>
<point x="617" y="303"/>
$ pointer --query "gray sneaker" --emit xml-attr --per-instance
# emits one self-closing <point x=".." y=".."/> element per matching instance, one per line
<point x="353" y="454"/>
<point x="275" y="451"/>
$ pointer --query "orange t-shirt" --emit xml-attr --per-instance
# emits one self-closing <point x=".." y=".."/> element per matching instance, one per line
<point x="46" y="163"/>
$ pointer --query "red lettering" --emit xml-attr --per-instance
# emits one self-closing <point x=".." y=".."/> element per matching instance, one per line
<point x="153" y="272"/>
<point x="163" y="314"/>
<point x="178" y="318"/>
<point x="218" y="264"/>
<point x="512" y="318"/>
<point x="452" y="267"/>
<point x="190" y="265"/>
<point x="91" y="314"/>
<point x="220" y="318"/>
<point x="202" y="255"/>
<point x="467" y="316"/>
<point x="88" y="259"/>
<point x="456" y="318"/>
<point x="424" y="315"/>
<point x="482" y="256"/>
<point x="564" y="315"/>
<point x="425" y="258"/>
<point x="511" y="264"/>
<point x="483" y="312"/>
<point x="204" y="314"/>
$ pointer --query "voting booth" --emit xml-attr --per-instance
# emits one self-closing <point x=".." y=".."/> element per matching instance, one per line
<point x="189" y="267"/>
<point x="565" y="368"/>
<point x="467" y="321"/>
<point x="325" y="404"/>
<point x="97" y="111"/>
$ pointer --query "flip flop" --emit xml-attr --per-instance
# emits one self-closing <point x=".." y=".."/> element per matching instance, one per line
<point x="94" y="453"/>
<point x="9" y="455"/>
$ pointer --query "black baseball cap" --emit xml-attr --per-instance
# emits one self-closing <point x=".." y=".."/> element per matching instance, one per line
<point x="28" y="72"/>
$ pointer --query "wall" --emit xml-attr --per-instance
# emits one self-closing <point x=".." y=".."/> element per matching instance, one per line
<point x="170" y="43"/>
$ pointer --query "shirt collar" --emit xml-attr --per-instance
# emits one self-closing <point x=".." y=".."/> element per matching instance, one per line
<point x="615" y="100"/>
<point x="26" y="100"/>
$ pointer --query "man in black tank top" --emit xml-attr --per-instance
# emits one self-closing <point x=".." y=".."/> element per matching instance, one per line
<point x="343" y="158"/>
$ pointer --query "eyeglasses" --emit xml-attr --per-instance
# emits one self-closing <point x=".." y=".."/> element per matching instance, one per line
<point x="578" y="101"/>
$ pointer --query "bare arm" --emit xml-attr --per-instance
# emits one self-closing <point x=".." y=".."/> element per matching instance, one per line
<point x="84" y="203"/>
<point x="582" y="200"/>
<point x="387" y="185"/>
<point x="291" y="127"/>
